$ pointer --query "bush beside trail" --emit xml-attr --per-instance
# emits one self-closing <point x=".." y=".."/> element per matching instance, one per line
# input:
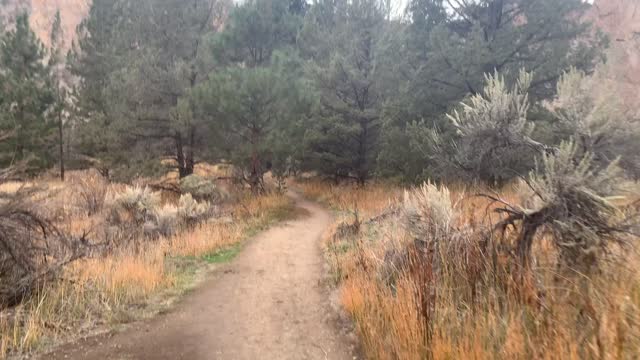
<point x="71" y="260"/>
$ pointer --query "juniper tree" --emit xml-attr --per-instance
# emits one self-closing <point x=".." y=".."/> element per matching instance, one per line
<point x="170" y="37"/>
<point x="155" y="53"/>
<point x="257" y="49"/>
<point x="25" y="97"/>
<point x="545" y="37"/>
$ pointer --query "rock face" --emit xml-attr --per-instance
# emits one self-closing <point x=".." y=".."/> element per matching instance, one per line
<point x="71" y="12"/>
<point x="42" y="13"/>
<point x="620" y="19"/>
<point x="10" y="8"/>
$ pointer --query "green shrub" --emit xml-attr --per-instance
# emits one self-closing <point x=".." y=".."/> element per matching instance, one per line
<point x="200" y="189"/>
<point x="135" y="204"/>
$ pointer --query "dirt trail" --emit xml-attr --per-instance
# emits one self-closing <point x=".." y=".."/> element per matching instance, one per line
<point x="269" y="303"/>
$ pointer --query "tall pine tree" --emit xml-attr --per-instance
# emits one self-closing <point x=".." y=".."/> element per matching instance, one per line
<point x="25" y="97"/>
<point x="343" y="138"/>
<point x="59" y="87"/>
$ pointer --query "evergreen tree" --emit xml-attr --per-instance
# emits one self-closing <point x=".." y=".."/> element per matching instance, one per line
<point x="248" y="107"/>
<point x="94" y="56"/>
<point x="155" y="57"/>
<point x="487" y="36"/>
<point x="165" y="66"/>
<point x="343" y="139"/>
<point x="56" y="66"/>
<point x="257" y="28"/>
<point x="25" y="97"/>
<point x="449" y="49"/>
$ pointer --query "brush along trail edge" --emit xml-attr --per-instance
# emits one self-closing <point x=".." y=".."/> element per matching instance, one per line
<point x="270" y="302"/>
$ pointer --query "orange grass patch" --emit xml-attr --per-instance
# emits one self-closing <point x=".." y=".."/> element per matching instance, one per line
<point x="108" y="289"/>
<point x="475" y="305"/>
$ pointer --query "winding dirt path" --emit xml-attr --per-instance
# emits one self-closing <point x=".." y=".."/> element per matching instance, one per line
<point x="271" y="302"/>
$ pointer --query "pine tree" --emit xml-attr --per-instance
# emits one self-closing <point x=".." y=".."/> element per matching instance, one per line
<point x="344" y="136"/>
<point x="25" y="97"/>
<point x="56" y="66"/>
<point x="137" y="74"/>
<point x="256" y="29"/>
<point x="166" y="66"/>
<point x="451" y="45"/>
<point x="545" y="37"/>
<point x="94" y="56"/>
<point x="247" y="106"/>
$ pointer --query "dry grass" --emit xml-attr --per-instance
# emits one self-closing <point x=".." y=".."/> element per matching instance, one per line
<point x="471" y="301"/>
<point x="369" y="201"/>
<point x="117" y="286"/>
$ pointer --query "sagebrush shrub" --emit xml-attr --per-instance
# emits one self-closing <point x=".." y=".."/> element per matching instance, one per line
<point x="134" y="204"/>
<point x="191" y="211"/>
<point x="167" y="221"/>
<point x="574" y="203"/>
<point x="429" y="213"/>
<point x="200" y="189"/>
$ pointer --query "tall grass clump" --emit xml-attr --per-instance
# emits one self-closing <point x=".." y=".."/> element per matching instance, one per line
<point x="443" y="279"/>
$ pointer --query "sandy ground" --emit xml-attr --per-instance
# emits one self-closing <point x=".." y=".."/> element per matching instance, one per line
<point x="271" y="302"/>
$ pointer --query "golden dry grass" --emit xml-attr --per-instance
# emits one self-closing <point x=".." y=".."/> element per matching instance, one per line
<point x="475" y="306"/>
<point x="367" y="201"/>
<point x="102" y="290"/>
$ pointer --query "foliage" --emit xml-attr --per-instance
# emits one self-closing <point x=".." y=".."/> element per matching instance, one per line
<point x="573" y="200"/>
<point x="25" y="96"/>
<point x="140" y="99"/>
<point x="429" y="214"/>
<point x="588" y="109"/>
<point x="192" y="212"/>
<point x="493" y="132"/>
<point x="251" y="103"/>
<point x="255" y="30"/>
<point x="343" y="138"/>
<point x="166" y="221"/>
<point x="94" y="56"/>
<point x="447" y="49"/>
<point x="200" y="188"/>
<point x="134" y="204"/>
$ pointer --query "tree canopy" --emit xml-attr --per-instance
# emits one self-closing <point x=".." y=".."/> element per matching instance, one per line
<point x="345" y="88"/>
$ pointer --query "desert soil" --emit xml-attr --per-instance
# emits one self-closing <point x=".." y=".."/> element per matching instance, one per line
<point x="270" y="302"/>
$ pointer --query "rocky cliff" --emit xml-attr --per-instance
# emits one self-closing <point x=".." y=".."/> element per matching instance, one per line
<point x="620" y="19"/>
<point x="43" y="12"/>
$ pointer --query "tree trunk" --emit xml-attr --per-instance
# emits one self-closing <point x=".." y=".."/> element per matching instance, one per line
<point x="255" y="178"/>
<point x="61" y="136"/>
<point x="190" y="160"/>
<point x="362" y="171"/>
<point x="185" y="167"/>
